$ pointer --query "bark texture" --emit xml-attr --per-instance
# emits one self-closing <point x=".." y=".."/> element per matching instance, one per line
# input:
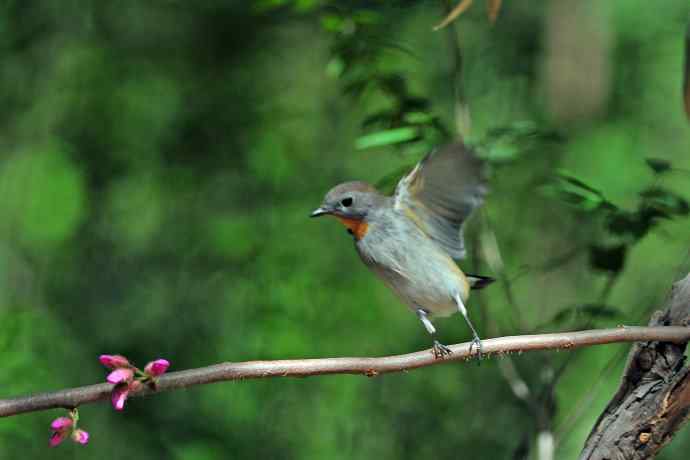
<point x="653" y="400"/>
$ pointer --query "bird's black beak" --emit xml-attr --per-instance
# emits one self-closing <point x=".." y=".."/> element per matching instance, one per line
<point x="319" y="212"/>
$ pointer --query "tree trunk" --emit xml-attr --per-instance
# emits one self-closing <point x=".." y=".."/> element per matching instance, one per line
<point x="653" y="400"/>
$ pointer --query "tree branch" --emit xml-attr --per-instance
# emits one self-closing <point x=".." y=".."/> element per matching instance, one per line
<point x="653" y="400"/>
<point x="461" y="110"/>
<point x="370" y="367"/>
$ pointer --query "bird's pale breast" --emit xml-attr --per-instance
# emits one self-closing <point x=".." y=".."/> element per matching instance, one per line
<point x="411" y="264"/>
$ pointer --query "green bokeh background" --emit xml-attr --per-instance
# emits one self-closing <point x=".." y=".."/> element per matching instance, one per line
<point x="158" y="161"/>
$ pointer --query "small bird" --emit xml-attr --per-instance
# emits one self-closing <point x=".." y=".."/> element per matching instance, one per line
<point x="410" y="239"/>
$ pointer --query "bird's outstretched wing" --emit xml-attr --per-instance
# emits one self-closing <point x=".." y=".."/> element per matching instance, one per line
<point x="440" y="193"/>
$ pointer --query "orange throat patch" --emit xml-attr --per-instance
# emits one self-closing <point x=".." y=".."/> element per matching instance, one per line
<point x="358" y="228"/>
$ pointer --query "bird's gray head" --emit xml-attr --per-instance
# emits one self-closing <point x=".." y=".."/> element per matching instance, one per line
<point x="350" y="200"/>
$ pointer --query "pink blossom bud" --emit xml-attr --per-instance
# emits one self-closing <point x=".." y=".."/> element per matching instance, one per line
<point x="157" y="367"/>
<point x="114" y="361"/>
<point x="80" y="436"/>
<point x="135" y="386"/>
<point x="61" y="424"/>
<point x="119" y="375"/>
<point x="56" y="437"/>
<point x="119" y="396"/>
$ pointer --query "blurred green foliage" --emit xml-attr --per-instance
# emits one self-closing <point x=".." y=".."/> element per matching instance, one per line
<point x="159" y="161"/>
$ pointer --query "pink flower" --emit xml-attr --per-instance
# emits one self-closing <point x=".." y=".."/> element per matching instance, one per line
<point x="157" y="367"/>
<point x="80" y="436"/>
<point x="127" y="379"/>
<point x="120" y="375"/>
<point x="56" y="437"/>
<point x="63" y="426"/>
<point x="119" y="396"/>
<point x="114" y="361"/>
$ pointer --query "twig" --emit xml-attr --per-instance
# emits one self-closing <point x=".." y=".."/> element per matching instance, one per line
<point x="370" y="367"/>
<point x="454" y="13"/>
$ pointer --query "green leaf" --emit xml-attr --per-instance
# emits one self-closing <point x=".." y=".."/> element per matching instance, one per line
<point x="505" y="143"/>
<point x="501" y="150"/>
<point x="419" y="118"/>
<point x="632" y="223"/>
<point x="607" y="258"/>
<point x="388" y="137"/>
<point x="382" y="118"/>
<point x="577" y="193"/>
<point x="665" y="201"/>
<point x="658" y="165"/>
<point x="571" y="179"/>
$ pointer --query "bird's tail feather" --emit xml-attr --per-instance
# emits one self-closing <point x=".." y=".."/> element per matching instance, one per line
<point x="479" y="281"/>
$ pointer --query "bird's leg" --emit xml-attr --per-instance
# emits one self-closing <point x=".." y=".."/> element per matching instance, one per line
<point x="439" y="350"/>
<point x="476" y="342"/>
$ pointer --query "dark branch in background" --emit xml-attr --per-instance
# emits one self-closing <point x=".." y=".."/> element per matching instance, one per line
<point x="365" y="366"/>
<point x="653" y="400"/>
<point x="461" y="110"/>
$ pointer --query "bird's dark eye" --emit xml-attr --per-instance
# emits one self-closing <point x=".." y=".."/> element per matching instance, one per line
<point x="347" y="202"/>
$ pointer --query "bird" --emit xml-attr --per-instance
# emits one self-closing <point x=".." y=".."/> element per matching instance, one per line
<point x="412" y="239"/>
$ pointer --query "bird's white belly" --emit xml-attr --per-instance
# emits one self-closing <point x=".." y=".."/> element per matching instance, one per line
<point x="430" y="290"/>
<point x="422" y="277"/>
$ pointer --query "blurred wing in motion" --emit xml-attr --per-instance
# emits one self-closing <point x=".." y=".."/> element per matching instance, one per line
<point x="440" y="194"/>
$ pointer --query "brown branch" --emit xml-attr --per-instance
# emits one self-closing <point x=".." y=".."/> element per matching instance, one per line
<point x="653" y="400"/>
<point x="366" y="366"/>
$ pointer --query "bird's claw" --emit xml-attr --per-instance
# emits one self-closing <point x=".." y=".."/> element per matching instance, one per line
<point x="440" y="351"/>
<point x="476" y="342"/>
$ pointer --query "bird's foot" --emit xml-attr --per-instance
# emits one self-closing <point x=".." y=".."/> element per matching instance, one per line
<point x="440" y="351"/>
<point x="476" y="342"/>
